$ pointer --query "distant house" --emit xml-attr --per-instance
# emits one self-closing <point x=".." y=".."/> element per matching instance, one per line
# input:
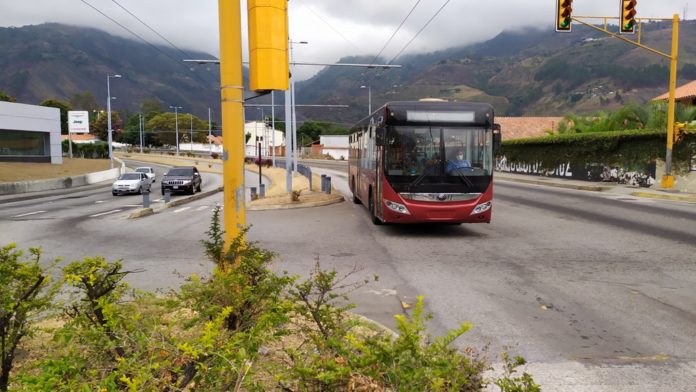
<point x="81" y="138"/>
<point x="334" y="145"/>
<point x="524" y="127"/>
<point x="259" y="132"/>
<point x="685" y="94"/>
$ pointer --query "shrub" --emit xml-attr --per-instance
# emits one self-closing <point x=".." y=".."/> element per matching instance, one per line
<point x="24" y="292"/>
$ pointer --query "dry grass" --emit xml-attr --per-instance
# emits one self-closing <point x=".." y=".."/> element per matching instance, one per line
<point x="19" y="171"/>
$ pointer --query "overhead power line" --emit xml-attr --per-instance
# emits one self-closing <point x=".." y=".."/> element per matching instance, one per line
<point x="178" y="61"/>
<point x="395" y="31"/>
<point x="331" y="26"/>
<point x="419" y="31"/>
<point x="151" y="29"/>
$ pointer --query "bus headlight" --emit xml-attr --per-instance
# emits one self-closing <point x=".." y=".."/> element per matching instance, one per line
<point x="483" y="207"/>
<point x="400" y="208"/>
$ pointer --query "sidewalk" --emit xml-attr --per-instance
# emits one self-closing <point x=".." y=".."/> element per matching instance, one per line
<point x="609" y="187"/>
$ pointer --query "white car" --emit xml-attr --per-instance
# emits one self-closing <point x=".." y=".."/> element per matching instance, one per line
<point x="131" y="183"/>
<point x="150" y="172"/>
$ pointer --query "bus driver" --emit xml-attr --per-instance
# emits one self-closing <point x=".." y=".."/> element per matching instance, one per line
<point x="458" y="163"/>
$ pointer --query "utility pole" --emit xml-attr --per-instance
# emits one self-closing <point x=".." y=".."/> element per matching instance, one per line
<point x="191" y="140"/>
<point x="176" y="125"/>
<point x="231" y="94"/>
<point x="667" y="181"/>
<point x="140" y="122"/>
<point x="210" y="135"/>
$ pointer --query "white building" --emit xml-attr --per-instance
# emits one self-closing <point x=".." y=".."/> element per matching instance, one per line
<point x="335" y="145"/>
<point x="29" y="133"/>
<point x="259" y="132"/>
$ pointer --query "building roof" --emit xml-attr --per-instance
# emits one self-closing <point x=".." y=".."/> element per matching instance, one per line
<point x="80" y="137"/>
<point x="685" y="91"/>
<point x="524" y="127"/>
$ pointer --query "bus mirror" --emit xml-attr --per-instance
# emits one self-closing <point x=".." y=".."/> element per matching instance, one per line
<point x="497" y="137"/>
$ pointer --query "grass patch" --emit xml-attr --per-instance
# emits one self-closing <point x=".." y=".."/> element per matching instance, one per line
<point x="20" y="171"/>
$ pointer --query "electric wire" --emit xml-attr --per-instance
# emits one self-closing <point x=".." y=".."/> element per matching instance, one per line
<point x="331" y="26"/>
<point x="419" y="31"/>
<point x="144" y="40"/>
<point x="396" y="31"/>
<point x="151" y="29"/>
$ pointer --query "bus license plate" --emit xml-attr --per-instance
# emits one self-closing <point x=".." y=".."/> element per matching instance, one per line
<point x="176" y="186"/>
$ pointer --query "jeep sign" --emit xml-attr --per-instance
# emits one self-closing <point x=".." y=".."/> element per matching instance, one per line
<point x="78" y="121"/>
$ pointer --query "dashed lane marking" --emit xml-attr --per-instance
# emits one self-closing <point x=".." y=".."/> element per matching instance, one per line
<point x="28" y="213"/>
<point x="104" y="213"/>
<point x="100" y="201"/>
<point x="133" y="205"/>
<point x="181" y="209"/>
<point x="201" y="208"/>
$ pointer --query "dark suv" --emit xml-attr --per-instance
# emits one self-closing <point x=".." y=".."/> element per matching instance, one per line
<point x="182" y="179"/>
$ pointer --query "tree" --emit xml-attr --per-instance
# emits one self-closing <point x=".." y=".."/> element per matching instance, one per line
<point x="84" y="101"/>
<point x="100" y="126"/>
<point x="64" y="108"/>
<point x="163" y="127"/>
<point x="152" y="105"/>
<point x="6" y="97"/>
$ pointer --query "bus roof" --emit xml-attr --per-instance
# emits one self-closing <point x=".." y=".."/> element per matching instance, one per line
<point x="433" y="112"/>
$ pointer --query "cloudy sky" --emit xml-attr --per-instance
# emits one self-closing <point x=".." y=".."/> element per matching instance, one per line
<point x="332" y="28"/>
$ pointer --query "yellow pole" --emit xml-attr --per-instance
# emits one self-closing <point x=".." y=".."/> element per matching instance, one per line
<point x="231" y="92"/>
<point x="668" y="178"/>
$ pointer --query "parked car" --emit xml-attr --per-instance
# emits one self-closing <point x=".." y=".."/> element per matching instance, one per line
<point x="182" y="179"/>
<point x="131" y="183"/>
<point x="150" y="172"/>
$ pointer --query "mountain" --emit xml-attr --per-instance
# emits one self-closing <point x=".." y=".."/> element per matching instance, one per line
<point x="530" y="72"/>
<point x="59" y="61"/>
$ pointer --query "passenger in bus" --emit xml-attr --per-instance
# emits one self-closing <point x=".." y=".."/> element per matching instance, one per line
<point x="457" y="163"/>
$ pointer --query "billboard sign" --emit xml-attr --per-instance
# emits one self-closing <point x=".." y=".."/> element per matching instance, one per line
<point x="78" y="121"/>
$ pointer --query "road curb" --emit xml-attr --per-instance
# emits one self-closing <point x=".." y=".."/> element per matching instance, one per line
<point x="594" y="188"/>
<point x="664" y="197"/>
<point x="185" y="200"/>
<point x="337" y="199"/>
<point x="141" y="212"/>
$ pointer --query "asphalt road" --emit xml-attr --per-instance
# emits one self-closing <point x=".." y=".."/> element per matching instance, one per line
<point x="596" y="290"/>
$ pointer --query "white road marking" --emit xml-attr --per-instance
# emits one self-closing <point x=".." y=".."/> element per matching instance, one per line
<point x="133" y="205"/>
<point x="28" y="213"/>
<point x="104" y="213"/>
<point x="201" y="208"/>
<point x="99" y="201"/>
<point x="181" y="209"/>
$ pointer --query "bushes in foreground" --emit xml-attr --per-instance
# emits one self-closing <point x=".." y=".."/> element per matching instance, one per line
<point x="245" y="327"/>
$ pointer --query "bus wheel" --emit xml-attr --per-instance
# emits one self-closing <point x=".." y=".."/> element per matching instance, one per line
<point x="373" y="212"/>
<point x="355" y="199"/>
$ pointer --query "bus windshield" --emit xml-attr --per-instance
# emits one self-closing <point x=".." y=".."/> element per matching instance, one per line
<point x="434" y="151"/>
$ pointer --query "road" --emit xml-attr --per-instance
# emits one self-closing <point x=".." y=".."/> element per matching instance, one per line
<point x="596" y="290"/>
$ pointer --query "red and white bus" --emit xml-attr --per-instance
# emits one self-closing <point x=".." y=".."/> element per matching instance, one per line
<point x="425" y="161"/>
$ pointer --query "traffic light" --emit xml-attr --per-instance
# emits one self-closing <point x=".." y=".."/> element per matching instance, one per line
<point x="563" y="18"/>
<point x="628" y="13"/>
<point x="268" y="44"/>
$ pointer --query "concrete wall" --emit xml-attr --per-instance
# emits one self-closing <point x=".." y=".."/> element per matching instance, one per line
<point x="58" y="183"/>
<point x="32" y="118"/>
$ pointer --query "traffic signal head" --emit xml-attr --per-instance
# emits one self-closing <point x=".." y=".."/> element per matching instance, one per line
<point x="628" y="13"/>
<point x="563" y="15"/>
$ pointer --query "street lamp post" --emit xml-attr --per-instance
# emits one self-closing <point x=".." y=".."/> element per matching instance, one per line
<point x="191" y="141"/>
<point x="369" y="98"/>
<point x="265" y="143"/>
<point x="176" y="125"/>
<point x="108" y="114"/>
<point x="293" y="118"/>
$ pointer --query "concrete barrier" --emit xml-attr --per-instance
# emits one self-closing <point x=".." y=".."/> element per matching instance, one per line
<point x="10" y="188"/>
